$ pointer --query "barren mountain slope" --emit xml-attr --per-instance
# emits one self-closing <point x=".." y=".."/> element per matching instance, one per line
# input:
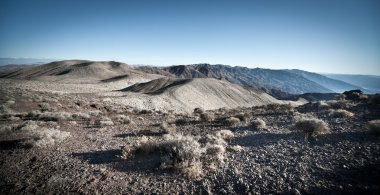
<point x="76" y="71"/>
<point x="187" y="94"/>
<point x="271" y="80"/>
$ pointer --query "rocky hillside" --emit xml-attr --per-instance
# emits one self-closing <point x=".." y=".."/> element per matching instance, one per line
<point x="271" y="80"/>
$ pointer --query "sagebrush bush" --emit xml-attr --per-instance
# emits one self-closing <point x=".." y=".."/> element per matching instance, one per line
<point x="225" y="134"/>
<point x="338" y="104"/>
<point x="199" y="110"/>
<point x="374" y="127"/>
<point x="50" y="116"/>
<point x="104" y="121"/>
<point x="244" y="117"/>
<point x="323" y="105"/>
<point x="28" y="126"/>
<point x="236" y="148"/>
<point x="231" y="122"/>
<point x="95" y="113"/>
<point x="340" y="113"/>
<point x="312" y="126"/>
<point x="207" y="117"/>
<point x="122" y="119"/>
<point x="258" y="124"/>
<point x="80" y="115"/>
<point x="188" y="154"/>
<point x="46" y="137"/>
<point x="167" y="128"/>
<point x="8" y="128"/>
<point x="279" y="108"/>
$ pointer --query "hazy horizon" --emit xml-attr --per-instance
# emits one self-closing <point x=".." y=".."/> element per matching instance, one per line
<point x="323" y="36"/>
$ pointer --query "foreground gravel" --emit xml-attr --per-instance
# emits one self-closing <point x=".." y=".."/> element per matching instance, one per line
<point x="276" y="159"/>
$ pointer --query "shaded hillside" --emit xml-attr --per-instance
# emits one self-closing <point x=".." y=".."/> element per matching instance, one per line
<point x="370" y="83"/>
<point x="270" y="80"/>
<point x="156" y="86"/>
<point x="332" y="84"/>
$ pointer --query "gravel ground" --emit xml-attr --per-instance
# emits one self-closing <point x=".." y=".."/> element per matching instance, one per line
<point x="277" y="159"/>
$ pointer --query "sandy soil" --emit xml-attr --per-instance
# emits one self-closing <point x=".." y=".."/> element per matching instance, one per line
<point x="276" y="159"/>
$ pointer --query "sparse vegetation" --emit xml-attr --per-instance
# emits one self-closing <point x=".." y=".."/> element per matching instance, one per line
<point x="199" y="110"/>
<point x="28" y="126"/>
<point x="312" y="126"/>
<point x="374" y="127"/>
<point x="207" y="117"/>
<point x="50" y="116"/>
<point x="184" y="153"/>
<point x="244" y="117"/>
<point x="231" y="122"/>
<point x="279" y="108"/>
<point x="122" y="119"/>
<point x="340" y="113"/>
<point x="104" y="121"/>
<point x="167" y="128"/>
<point x="258" y="124"/>
<point x="46" y="137"/>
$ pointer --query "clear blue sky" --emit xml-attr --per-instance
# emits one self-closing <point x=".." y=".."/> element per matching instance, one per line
<point x="339" y="36"/>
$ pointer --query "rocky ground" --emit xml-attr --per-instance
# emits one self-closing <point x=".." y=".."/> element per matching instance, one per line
<point x="274" y="159"/>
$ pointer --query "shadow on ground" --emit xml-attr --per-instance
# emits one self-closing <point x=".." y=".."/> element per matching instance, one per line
<point x="138" y="163"/>
<point x="262" y="139"/>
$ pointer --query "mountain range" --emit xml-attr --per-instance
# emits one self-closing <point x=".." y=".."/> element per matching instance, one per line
<point x="280" y="84"/>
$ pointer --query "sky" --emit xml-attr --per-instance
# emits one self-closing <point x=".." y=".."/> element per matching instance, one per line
<point x="327" y="36"/>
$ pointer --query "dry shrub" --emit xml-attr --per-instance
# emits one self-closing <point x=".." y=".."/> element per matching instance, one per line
<point x="8" y="128"/>
<point x="28" y="126"/>
<point x="95" y="113"/>
<point x="340" y="113"/>
<point x="50" y="116"/>
<point x="199" y="110"/>
<point x="46" y="137"/>
<point x="374" y="127"/>
<point x="232" y="122"/>
<point x="225" y="134"/>
<point x="235" y="148"/>
<point x="187" y="154"/>
<point x="104" y="121"/>
<point x="207" y="117"/>
<point x="4" y="109"/>
<point x="323" y="105"/>
<point x="258" y="124"/>
<point x="167" y="128"/>
<point x="45" y="106"/>
<point x="182" y="121"/>
<point x="10" y="102"/>
<point x="312" y="126"/>
<point x="122" y="119"/>
<point x="279" y="108"/>
<point x="244" y="117"/>
<point x="338" y="104"/>
<point x="80" y="115"/>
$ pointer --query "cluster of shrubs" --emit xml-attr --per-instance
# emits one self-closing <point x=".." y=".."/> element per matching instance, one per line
<point x="37" y="136"/>
<point x="187" y="154"/>
<point x="312" y="126"/>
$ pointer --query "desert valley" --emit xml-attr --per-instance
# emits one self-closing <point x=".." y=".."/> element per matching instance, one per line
<point x="106" y="127"/>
